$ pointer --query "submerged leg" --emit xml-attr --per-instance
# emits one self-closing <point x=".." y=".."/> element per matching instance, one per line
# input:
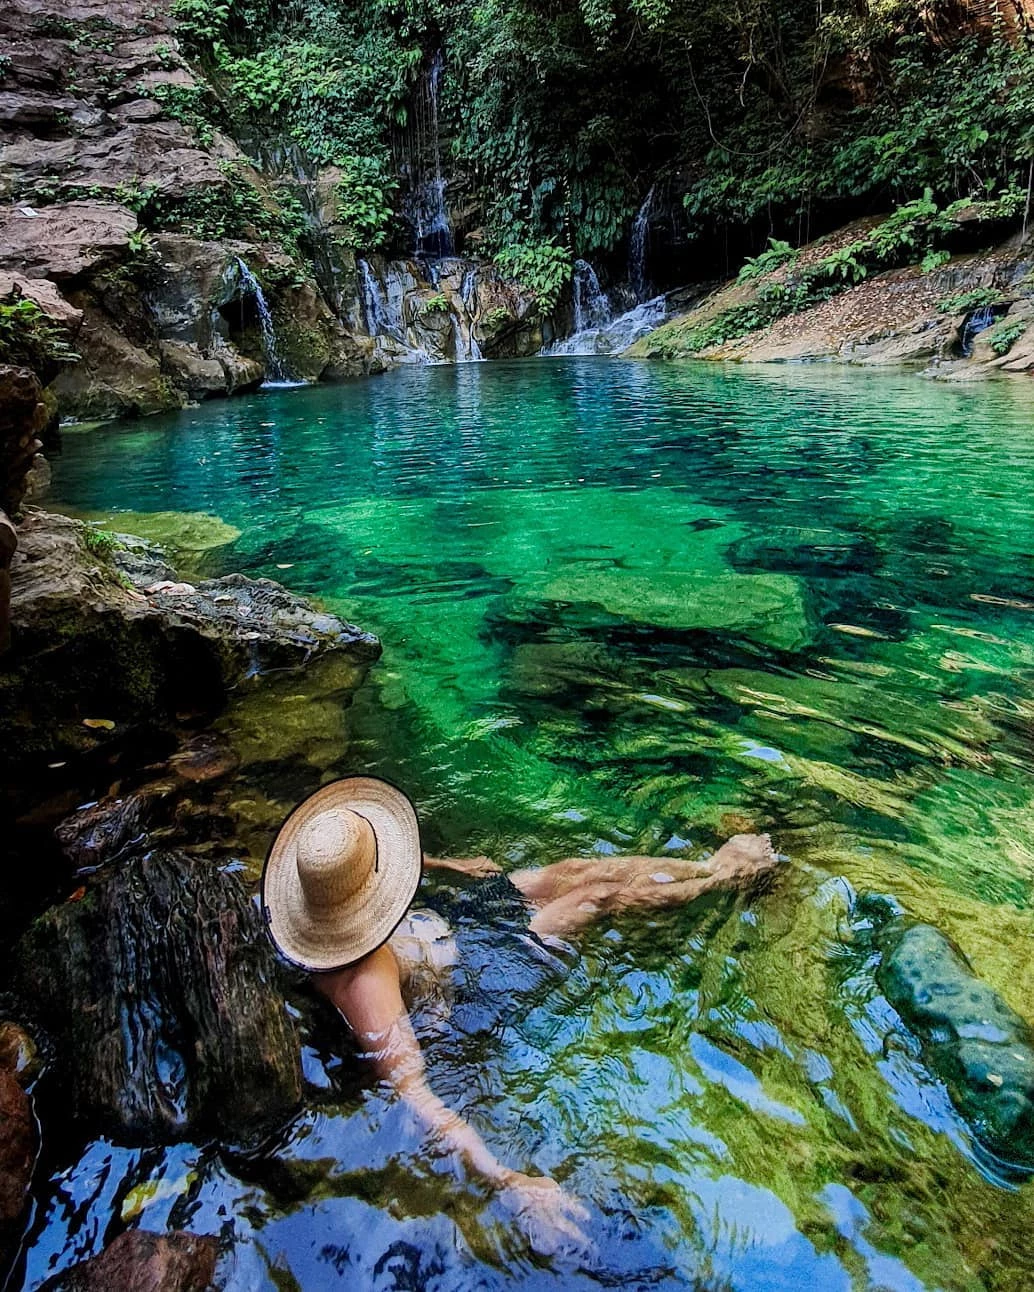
<point x="580" y="891"/>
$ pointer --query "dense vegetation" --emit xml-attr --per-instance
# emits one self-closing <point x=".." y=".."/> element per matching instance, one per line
<point x="749" y="117"/>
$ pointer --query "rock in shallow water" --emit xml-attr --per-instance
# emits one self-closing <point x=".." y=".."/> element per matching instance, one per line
<point x="157" y="986"/>
<point x="140" y="1261"/>
<point x="972" y="1040"/>
<point x="89" y="641"/>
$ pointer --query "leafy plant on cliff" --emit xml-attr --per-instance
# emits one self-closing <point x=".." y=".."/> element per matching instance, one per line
<point x="438" y="304"/>
<point x="542" y="267"/>
<point x="1005" y="336"/>
<point x="364" y="205"/>
<point x="778" y="253"/>
<point x="28" y="336"/>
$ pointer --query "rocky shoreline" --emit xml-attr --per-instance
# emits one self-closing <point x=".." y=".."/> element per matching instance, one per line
<point x="140" y="968"/>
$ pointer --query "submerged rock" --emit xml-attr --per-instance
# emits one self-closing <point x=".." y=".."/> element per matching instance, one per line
<point x="141" y="1261"/>
<point x="980" y="1047"/>
<point x="157" y="987"/>
<point x="102" y="637"/>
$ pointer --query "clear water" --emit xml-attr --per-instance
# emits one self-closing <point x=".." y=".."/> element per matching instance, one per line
<point x="629" y="608"/>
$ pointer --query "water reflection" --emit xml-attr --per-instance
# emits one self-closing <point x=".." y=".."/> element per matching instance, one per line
<point x="632" y="607"/>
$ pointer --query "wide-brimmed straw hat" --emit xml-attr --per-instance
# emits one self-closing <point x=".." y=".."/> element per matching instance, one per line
<point x="341" y="873"/>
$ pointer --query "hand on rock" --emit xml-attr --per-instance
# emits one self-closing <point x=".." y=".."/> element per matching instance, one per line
<point x="549" y="1218"/>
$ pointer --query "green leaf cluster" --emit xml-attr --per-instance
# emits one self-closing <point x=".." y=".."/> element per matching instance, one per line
<point x="542" y="267"/>
<point x="28" y="336"/>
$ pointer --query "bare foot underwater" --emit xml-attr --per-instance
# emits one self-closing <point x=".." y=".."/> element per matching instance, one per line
<point x="338" y="886"/>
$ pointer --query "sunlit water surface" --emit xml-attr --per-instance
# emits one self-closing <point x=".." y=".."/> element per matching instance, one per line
<point x="635" y="608"/>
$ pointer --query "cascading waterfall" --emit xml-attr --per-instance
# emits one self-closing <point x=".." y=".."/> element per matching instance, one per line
<point x="468" y="295"/>
<point x="419" y="157"/>
<point x="373" y="305"/>
<point x="592" y="309"/>
<point x="276" y="371"/>
<point x="637" y="249"/>
<point x="596" y="330"/>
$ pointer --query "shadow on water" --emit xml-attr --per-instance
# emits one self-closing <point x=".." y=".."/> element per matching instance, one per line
<point x="632" y="608"/>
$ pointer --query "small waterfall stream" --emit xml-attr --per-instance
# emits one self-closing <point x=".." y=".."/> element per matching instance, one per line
<point x="637" y="247"/>
<point x="468" y="295"/>
<point x="419" y="158"/>
<point x="276" y="371"/>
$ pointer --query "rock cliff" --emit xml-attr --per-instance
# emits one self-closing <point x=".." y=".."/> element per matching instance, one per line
<point x="155" y="233"/>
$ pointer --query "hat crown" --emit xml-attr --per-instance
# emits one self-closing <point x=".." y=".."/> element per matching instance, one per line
<point x="335" y="853"/>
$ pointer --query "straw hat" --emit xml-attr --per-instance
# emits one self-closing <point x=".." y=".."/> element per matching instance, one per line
<point x="341" y="873"/>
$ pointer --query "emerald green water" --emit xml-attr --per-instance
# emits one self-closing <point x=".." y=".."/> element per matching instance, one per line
<point x="632" y="608"/>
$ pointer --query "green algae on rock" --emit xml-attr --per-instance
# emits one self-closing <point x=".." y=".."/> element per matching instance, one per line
<point x="176" y="531"/>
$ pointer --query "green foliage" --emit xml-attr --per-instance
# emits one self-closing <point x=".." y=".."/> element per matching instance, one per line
<point x="29" y="337"/>
<point x="200" y="22"/>
<point x="963" y="302"/>
<point x="1005" y="336"/>
<point x="542" y="267"/>
<point x="933" y="260"/>
<point x="364" y="205"/>
<point x="100" y="543"/>
<point x="776" y="255"/>
<point x="438" y="304"/>
<point x="557" y="117"/>
<point x="190" y="104"/>
<point x="234" y="209"/>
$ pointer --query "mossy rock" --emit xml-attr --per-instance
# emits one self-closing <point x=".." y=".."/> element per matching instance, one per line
<point x="176" y="531"/>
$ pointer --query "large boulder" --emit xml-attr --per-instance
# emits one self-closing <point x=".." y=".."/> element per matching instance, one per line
<point x="157" y="986"/>
<point x="103" y="637"/>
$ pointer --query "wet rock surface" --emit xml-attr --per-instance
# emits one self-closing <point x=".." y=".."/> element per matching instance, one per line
<point x="141" y="1261"/>
<point x="156" y="984"/>
<point x="104" y="636"/>
<point x="981" y="1048"/>
<point x="18" y="1145"/>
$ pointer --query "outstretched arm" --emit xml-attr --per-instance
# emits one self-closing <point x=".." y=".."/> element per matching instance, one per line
<point x="369" y="998"/>
<point x="476" y="867"/>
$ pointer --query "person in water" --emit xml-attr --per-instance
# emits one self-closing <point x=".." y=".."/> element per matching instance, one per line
<point x="337" y="888"/>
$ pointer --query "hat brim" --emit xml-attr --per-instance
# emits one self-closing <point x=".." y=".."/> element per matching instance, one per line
<point x="369" y="916"/>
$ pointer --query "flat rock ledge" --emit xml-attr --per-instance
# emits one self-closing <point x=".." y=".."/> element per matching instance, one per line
<point x="103" y="636"/>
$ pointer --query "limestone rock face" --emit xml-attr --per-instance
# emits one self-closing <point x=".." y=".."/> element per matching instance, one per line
<point x="99" y="634"/>
<point x="141" y="1261"/>
<point x="62" y="242"/>
<point x="159" y="319"/>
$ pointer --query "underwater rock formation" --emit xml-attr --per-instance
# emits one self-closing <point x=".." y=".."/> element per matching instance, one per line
<point x="141" y="1261"/>
<point x="103" y="636"/>
<point x="157" y="986"/>
<point x="972" y="1040"/>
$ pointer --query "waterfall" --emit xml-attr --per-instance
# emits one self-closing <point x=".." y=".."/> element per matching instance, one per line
<point x="978" y="321"/>
<point x="614" y="335"/>
<point x="420" y="160"/>
<point x="276" y="372"/>
<point x="373" y="306"/>
<point x="637" y="248"/>
<point x="592" y="309"/>
<point x="468" y="295"/>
